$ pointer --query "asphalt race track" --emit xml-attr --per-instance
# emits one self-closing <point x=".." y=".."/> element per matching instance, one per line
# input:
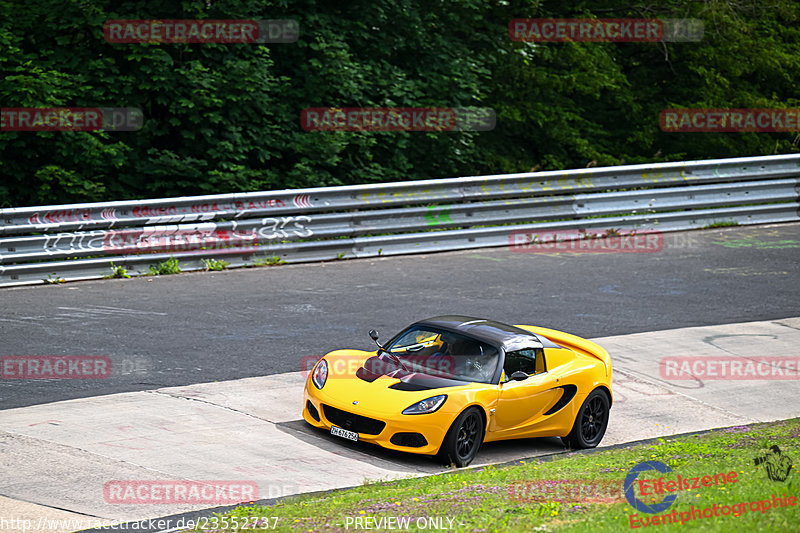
<point x="204" y="327"/>
<point x="204" y="381"/>
<point x="59" y="458"/>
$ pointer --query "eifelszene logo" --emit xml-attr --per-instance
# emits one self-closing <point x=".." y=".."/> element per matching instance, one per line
<point x="777" y="464"/>
<point x="630" y="494"/>
<point x="662" y="485"/>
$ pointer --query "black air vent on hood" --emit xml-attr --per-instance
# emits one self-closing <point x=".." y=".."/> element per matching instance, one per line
<point x="417" y="382"/>
<point x="378" y="366"/>
<point x="375" y="367"/>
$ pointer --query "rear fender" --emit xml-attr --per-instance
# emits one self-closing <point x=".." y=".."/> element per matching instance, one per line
<point x="574" y="343"/>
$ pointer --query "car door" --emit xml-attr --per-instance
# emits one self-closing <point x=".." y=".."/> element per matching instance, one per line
<point x="521" y="404"/>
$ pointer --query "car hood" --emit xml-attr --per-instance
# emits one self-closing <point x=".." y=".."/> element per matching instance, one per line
<point x="379" y="365"/>
<point x="378" y="384"/>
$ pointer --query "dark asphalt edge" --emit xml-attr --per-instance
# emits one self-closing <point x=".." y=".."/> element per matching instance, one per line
<point x="193" y="515"/>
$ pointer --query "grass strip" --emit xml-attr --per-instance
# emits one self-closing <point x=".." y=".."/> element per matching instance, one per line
<point x="571" y="492"/>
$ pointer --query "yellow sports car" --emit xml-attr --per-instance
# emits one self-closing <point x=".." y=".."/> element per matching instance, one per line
<point x="445" y="385"/>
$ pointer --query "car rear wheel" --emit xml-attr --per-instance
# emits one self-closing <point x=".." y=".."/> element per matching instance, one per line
<point x="591" y="423"/>
<point x="464" y="439"/>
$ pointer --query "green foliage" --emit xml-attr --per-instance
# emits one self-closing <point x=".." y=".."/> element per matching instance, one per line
<point x="222" y="118"/>
<point x="268" y="261"/>
<point x="723" y="224"/>
<point x="117" y="272"/>
<point x="170" y="266"/>
<point x="215" y="264"/>
<point x="548" y="509"/>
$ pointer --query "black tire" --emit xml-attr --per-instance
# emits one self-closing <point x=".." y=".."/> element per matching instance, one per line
<point x="590" y="423"/>
<point x="463" y="439"/>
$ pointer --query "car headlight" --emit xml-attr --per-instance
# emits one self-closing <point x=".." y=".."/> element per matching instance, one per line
<point x="320" y="374"/>
<point x="426" y="406"/>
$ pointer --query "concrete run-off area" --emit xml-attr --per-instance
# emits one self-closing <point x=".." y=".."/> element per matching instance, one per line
<point x="59" y="458"/>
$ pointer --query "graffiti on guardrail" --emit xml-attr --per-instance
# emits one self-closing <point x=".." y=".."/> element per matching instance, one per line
<point x="275" y="229"/>
<point x="208" y="235"/>
<point x="438" y="215"/>
<point x="208" y="207"/>
<point x="57" y="217"/>
<point x="302" y="200"/>
<point x="138" y="241"/>
<point x="147" y="212"/>
<point x="517" y="210"/>
<point x="61" y="216"/>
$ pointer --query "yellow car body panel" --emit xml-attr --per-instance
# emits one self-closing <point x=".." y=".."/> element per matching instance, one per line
<point x="376" y="400"/>
<point x="574" y="343"/>
<point x="511" y="409"/>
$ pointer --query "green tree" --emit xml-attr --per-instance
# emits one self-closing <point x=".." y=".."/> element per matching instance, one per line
<point x="222" y="118"/>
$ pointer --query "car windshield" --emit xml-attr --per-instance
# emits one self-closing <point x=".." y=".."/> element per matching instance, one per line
<point x="446" y="354"/>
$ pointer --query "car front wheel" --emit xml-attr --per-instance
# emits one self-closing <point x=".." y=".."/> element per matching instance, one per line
<point x="591" y="423"/>
<point x="464" y="439"/>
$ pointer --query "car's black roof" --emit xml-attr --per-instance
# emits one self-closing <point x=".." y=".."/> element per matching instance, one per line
<point x="508" y="337"/>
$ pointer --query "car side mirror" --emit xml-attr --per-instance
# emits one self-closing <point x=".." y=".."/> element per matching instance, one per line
<point x="519" y="375"/>
<point x="374" y="336"/>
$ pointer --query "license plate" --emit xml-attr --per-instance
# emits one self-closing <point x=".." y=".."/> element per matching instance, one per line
<point x="349" y="435"/>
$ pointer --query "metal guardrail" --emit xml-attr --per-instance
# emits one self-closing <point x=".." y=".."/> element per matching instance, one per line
<point x="73" y="242"/>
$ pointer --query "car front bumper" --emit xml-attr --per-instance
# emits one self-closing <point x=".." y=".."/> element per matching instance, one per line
<point x="394" y="431"/>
